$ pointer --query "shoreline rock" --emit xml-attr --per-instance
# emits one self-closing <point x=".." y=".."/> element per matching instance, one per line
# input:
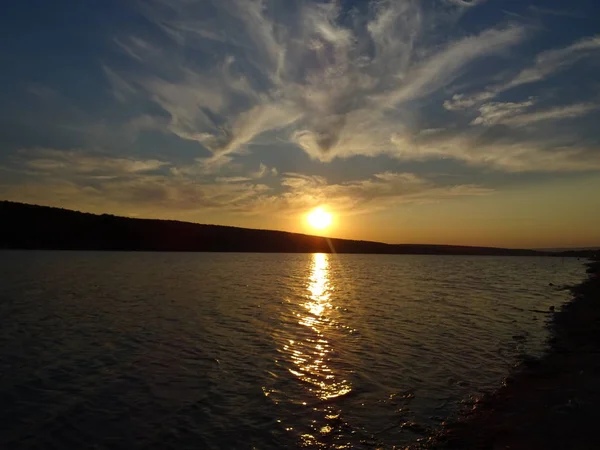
<point x="548" y="403"/>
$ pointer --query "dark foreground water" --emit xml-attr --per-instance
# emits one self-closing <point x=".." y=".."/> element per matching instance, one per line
<point x="227" y="351"/>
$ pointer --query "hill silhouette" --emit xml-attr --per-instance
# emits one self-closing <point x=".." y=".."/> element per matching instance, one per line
<point x="25" y="226"/>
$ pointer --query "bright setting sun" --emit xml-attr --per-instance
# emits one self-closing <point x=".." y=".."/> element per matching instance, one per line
<point x="319" y="219"/>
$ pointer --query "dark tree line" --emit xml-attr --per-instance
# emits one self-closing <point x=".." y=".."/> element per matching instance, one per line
<point x="24" y="226"/>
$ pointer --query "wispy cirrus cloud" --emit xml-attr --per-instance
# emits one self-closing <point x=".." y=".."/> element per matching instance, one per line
<point x="545" y="64"/>
<point x="465" y="3"/>
<point x="513" y="114"/>
<point x="556" y="12"/>
<point x="137" y="48"/>
<point x="499" y="112"/>
<point x="121" y="89"/>
<point x="77" y="162"/>
<point x="333" y="87"/>
<point x="41" y="91"/>
<point x="556" y="113"/>
<point x="502" y="151"/>
<point x="140" y="185"/>
<point x="377" y="192"/>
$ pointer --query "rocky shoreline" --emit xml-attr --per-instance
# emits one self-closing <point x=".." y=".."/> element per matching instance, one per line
<point x="550" y="403"/>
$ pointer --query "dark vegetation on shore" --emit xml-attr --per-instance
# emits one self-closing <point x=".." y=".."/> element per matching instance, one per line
<point x="548" y="403"/>
<point x="24" y="226"/>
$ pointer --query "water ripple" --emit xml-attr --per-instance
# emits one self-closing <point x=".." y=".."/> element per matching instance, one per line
<point x="142" y="350"/>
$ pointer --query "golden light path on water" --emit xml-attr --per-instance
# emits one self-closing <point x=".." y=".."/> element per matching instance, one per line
<point x="311" y="352"/>
<point x="312" y="367"/>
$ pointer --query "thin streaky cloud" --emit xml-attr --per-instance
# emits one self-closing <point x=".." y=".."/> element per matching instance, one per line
<point x="42" y="91"/>
<point x="121" y="89"/>
<point x="494" y="113"/>
<point x="81" y="162"/>
<point x="341" y="86"/>
<point x="545" y="64"/>
<point x="513" y="114"/>
<point x="557" y="12"/>
<point x="465" y="3"/>
<point x="346" y="101"/>
<point x="513" y="14"/>
<point x="128" y="49"/>
<point x="109" y="181"/>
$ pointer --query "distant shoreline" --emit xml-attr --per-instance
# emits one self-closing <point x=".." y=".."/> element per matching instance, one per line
<point x="8" y="249"/>
<point x="550" y="403"/>
<point x="34" y="227"/>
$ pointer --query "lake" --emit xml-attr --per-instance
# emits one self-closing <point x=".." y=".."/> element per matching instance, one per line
<point x="116" y="350"/>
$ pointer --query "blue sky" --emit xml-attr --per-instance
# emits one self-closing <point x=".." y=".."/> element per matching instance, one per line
<point x="250" y="113"/>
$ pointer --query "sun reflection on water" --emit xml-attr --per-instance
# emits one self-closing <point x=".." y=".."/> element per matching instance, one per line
<point x="311" y="355"/>
<point x="312" y="343"/>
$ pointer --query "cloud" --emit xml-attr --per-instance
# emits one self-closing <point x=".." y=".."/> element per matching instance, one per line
<point x="74" y="178"/>
<point x="441" y="69"/>
<point x="142" y="195"/>
<point x="137" y="48"/>
<point x="462" y="101"/>
<point x="42" y="91"/>
<point x="557" y="113"/>
<point x="233" y="179"/>
<point x="533" y="157"/>
<point x="264" y="171"/>
<point x="333" y="87"/>
<point x="498" y="112"/>
<point x="332" y="83"/>
<point x="203" y="167"/>
<point x="545" y="64"/>
<point x="144" y="122"/>
<point x="382" y="190"/>
<point x="512" y="114"/>
<point x="201" y="110"/>
<point x="551" y="61"/>
<point x="337" y="89"/>
<point x="556" y="12"/>
<point x="143" y="187"/>
<point x="121" y="89"/>
<point x="74" y="162"/>
<point x="369" y="129"/>
<point x="465" y="3"/>
<point x="497" y="149"/>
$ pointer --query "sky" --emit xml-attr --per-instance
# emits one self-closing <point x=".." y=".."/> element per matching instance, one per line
<point x="472" y="122"/>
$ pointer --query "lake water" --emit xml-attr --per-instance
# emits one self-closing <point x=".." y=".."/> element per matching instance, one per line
<point x="258" y="351"/>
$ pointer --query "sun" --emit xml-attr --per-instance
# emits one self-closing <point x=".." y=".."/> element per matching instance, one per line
<point x="319" y="219"/>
